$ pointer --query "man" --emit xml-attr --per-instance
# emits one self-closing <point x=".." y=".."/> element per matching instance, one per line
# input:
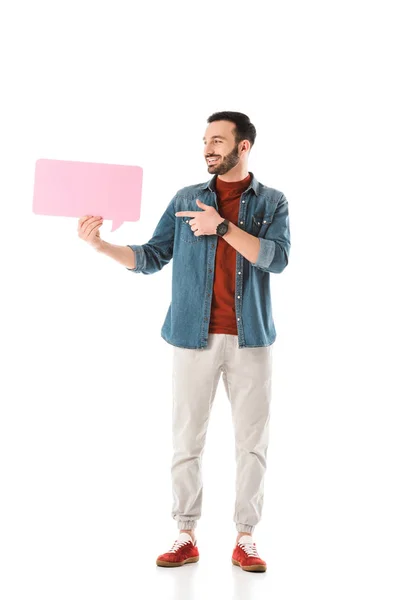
<point x="226" y="236"/>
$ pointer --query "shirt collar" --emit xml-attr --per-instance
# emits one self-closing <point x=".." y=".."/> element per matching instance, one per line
<point x="253" y="184"/>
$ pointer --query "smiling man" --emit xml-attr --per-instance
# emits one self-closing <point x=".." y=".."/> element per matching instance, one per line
<point x="225" y="237"/>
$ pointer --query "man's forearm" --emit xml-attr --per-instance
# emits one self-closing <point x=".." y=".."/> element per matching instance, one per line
<point x="122" y="254"/>
<point x="246" y="244"/>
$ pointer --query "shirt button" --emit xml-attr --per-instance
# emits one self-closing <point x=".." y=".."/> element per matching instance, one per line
<point x="238" y="296"/>
<point x="212" y="245"/>
<point x="238" y="318"/>
<point x="210" y="270"/>
<point x="239" y="272"/>
<point x="243" y="201"/>
<point x="241" y="222"/>
<point x="264" y="221"/>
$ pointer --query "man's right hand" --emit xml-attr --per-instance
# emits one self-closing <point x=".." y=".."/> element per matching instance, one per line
<point x="88" y="230"/>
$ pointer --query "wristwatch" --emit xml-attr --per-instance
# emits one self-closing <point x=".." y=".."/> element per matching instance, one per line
<point x="222" y="228"/>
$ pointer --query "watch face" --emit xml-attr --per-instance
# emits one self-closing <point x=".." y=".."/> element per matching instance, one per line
<point x="222" y="228"/>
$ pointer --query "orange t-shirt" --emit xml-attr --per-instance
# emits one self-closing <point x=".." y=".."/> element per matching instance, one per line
<point x="223" y="316"/>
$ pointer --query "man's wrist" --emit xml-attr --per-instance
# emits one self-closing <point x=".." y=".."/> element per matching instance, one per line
<point x="228" y="230"/>
<point x="99" y="247"/>
<point x="222" y="220"/>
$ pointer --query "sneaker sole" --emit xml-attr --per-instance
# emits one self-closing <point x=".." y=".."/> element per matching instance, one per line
<point x="257" y="568"/>
<point x="164" y="563"/>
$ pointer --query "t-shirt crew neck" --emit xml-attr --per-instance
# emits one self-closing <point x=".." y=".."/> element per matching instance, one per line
<point x="232" y="186"/>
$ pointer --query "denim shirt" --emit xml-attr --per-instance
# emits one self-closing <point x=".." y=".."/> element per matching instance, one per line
<point x="263" y="212"/>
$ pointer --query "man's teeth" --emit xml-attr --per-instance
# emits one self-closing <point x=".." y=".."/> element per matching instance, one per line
<point x="210" y="160"/>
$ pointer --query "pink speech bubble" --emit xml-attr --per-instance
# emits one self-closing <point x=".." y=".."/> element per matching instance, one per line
<point x="65" y="188"/>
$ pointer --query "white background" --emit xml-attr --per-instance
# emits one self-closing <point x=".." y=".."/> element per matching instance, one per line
<point x="85" y="429"/>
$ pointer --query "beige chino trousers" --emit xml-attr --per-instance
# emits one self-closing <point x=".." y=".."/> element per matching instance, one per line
<point x="246" y="374"/>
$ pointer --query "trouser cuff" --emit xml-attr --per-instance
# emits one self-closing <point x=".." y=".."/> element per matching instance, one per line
<point x="187" y="525"/>
<point x="245" y="528"/>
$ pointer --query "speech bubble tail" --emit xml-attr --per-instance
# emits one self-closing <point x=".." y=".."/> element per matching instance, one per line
<point x="116" y="224"/>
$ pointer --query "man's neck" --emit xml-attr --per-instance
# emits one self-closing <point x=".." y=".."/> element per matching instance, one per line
<point x="235" y="174"/>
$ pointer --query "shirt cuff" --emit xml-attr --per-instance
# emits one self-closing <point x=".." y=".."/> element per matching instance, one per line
<point x="265" y="254"/>
<point x="140" y="258"/>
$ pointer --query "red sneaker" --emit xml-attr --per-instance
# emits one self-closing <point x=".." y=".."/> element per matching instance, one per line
<point x="246" y="556"/>
<point x="183" y="551"/>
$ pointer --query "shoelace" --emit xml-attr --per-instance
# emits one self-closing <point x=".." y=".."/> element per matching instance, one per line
<point x="176" y="545"/>
<point x="249" y="548"/>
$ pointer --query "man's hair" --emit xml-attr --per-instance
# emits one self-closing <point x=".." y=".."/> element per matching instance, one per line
<point x="244" y="129"/>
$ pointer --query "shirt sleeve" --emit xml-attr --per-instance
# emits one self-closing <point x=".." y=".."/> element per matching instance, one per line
<point x="154" y="255"/>
<point x="273" y="256"/>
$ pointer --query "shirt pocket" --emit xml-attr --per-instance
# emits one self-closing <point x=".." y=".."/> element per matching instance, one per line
<point x="260" y="223"/>
<point x="187" y="235"/>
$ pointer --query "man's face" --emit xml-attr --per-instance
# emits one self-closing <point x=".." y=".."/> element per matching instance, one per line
<point x="219" y="143"/>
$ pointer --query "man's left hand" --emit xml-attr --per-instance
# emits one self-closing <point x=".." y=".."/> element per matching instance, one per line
<point x="203" y="222"/>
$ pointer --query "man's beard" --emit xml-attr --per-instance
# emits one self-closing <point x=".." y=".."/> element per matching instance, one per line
<point x="225" y="165"/>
